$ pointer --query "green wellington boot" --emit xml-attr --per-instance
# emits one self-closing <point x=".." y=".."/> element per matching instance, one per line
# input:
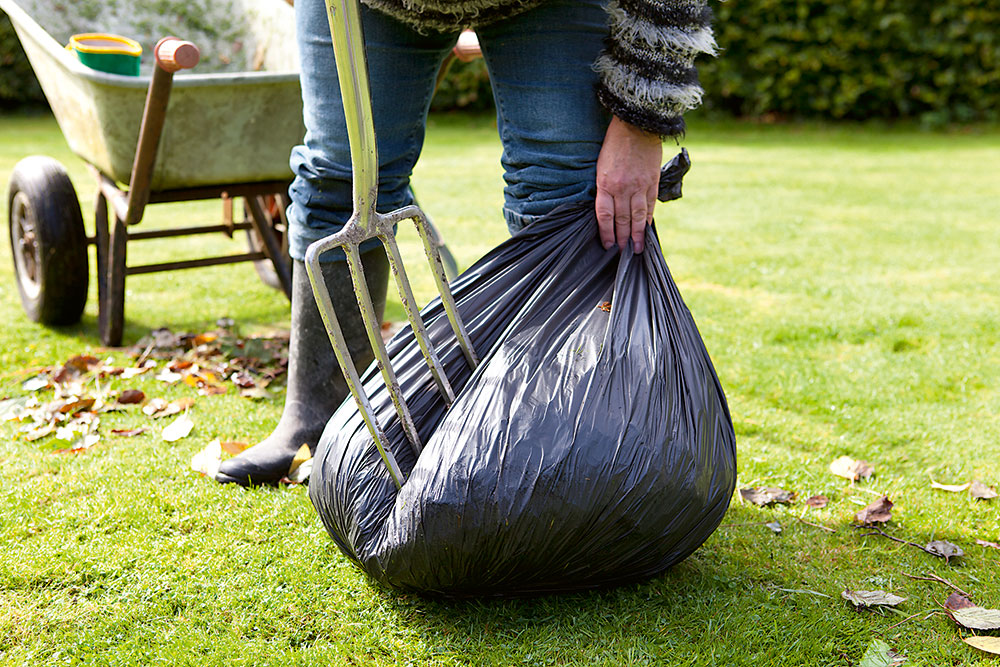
<point x="316" y="385"/>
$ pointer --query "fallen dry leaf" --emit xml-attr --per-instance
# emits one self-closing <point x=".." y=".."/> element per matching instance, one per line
<point x="79" y="405"/>
<point x="301" y="457"/>
<point x="946" y="550"/>
<point x="957" y="601"/>
<point x="871" y="598"/>
<point x="880" y="654"/>
<point x="133" y="371"/>
<point x="208" y="459"/>
<point x="131" y="396"/>
<point x="204" y="338"/>
<point x="129" y="432"/>
<point x="951" y="488"/>
<point x="766" y="496"/>
<point x="848" y="468"/>
<point x="38" y="431"/>
<point x="233" y="447"/>
<point x="984" y="543"/>
<point x="168" y="376"/>
<point x="879" y="511"/>
<point x="255" y="393"/>
<point x="981" y="491"/>
<point x="177" y="429"/>
<point x="977" y="618"/>
<point x="988" y="644"/>
<point x="37" y="383"/>
<point x="159" y="407"/>
<point x="817" y="502"/>
<point x="155" y="406"/>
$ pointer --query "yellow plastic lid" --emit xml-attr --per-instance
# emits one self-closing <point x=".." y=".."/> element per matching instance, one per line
<point x="98" y="42"/>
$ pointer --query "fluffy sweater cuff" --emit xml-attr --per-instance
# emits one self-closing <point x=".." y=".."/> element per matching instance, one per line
<point x="647" y="72"/>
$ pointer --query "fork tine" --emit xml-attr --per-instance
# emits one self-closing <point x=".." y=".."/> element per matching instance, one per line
<point x="343" y="354"/>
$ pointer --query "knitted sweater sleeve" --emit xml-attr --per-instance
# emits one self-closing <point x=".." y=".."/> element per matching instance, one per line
<point x="647" y="72"/>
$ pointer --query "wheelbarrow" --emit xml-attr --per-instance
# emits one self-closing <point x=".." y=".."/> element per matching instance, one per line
<point x="151" y="139"/>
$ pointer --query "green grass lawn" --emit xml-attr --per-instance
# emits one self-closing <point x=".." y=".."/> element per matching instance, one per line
<point x="846" y="280"/>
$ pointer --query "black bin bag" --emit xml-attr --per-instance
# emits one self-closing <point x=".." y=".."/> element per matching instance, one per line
<point x="592" y="446"/>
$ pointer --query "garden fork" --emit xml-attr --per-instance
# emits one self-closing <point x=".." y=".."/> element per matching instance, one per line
<point x="366" y="223"/>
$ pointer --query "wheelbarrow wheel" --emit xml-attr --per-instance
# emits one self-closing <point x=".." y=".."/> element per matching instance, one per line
<point x="264" y="267"/>
<point x="48" y="241"/>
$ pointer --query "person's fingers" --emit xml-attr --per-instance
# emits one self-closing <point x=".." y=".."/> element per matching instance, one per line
<point x="605" y="209"/>
<point x="639" y="217"/>
<point x="623" y="219"/>
<point x="651" y="201"/>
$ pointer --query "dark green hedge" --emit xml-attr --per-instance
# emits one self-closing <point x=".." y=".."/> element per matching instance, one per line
<point x="937" y="61"/>
<point x="856" y="59"/>
<point x="18" y="84"/>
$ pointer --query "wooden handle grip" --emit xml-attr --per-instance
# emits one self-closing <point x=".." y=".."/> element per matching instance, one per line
<point x="173" y="54"/>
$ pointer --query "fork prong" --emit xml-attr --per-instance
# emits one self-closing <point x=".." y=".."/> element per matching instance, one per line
<point x="416" y="321"/>
<point x="444" y="289"/>
<point x="343" y="354"/>
<point x="374" y="330"/>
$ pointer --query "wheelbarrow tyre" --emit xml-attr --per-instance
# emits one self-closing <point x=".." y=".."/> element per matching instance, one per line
<point x="264" y="267"/>
<point x="48" y="241"/>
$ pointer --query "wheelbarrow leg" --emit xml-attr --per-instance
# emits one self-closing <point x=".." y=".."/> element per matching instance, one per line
<point x="111" y="308"/>
<point x="101" y="242"/>
<point x="262" y="224"/>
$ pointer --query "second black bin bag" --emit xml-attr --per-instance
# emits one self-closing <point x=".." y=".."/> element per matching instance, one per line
<point x="592" y="446"/>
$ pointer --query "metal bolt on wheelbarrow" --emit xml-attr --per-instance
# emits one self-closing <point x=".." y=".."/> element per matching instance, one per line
<point x="366" y="223"/>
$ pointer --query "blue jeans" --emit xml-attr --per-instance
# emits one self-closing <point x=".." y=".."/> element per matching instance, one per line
<point x="550" y="122"/>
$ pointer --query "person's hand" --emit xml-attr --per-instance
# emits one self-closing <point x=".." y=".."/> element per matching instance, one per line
<point x="628" y="174"/>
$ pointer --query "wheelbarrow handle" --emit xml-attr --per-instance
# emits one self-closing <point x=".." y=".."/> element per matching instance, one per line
<point x="172" y="54"/>
<point x="352" y="72"/>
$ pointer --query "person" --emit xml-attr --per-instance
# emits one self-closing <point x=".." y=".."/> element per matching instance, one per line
<point x="585" y="92"/>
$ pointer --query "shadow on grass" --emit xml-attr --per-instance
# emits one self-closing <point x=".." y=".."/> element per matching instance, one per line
<point x="626" y="623"/>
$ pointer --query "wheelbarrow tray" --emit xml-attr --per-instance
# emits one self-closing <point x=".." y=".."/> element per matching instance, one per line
<point x="221" y="128"/>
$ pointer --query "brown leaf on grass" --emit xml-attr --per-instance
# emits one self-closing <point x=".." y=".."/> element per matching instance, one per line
<point x="243" y="380"/>
<point x="129" y="432"/>
<point x="159" y="407"/>
<point x="988" y="644"/>
<point x="945" y="550"/>
<point x="766" y="496"/>
<point x="255" y="393"/>
<point x="204" y="338"/>
<point x="848" y="468"/>
<point x="817" y="502"/>
<point x="957" y="601"/>
<point x="951" y="488"/>
<point x="977" y="618"/>
<point x="862" y="599"/>
<point x="981" y="491"/>
<point x="133" y="371"/>
<point x="38" y="431"/>
<point x="984" y="543"/>
<point x="879" y="511"/>
<point x="155" y="406"/>
<point x="75" y="367"/>
<point x="131" y="397"/>
<point x="233" y="447"/>
<point x="79" y="405"/>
